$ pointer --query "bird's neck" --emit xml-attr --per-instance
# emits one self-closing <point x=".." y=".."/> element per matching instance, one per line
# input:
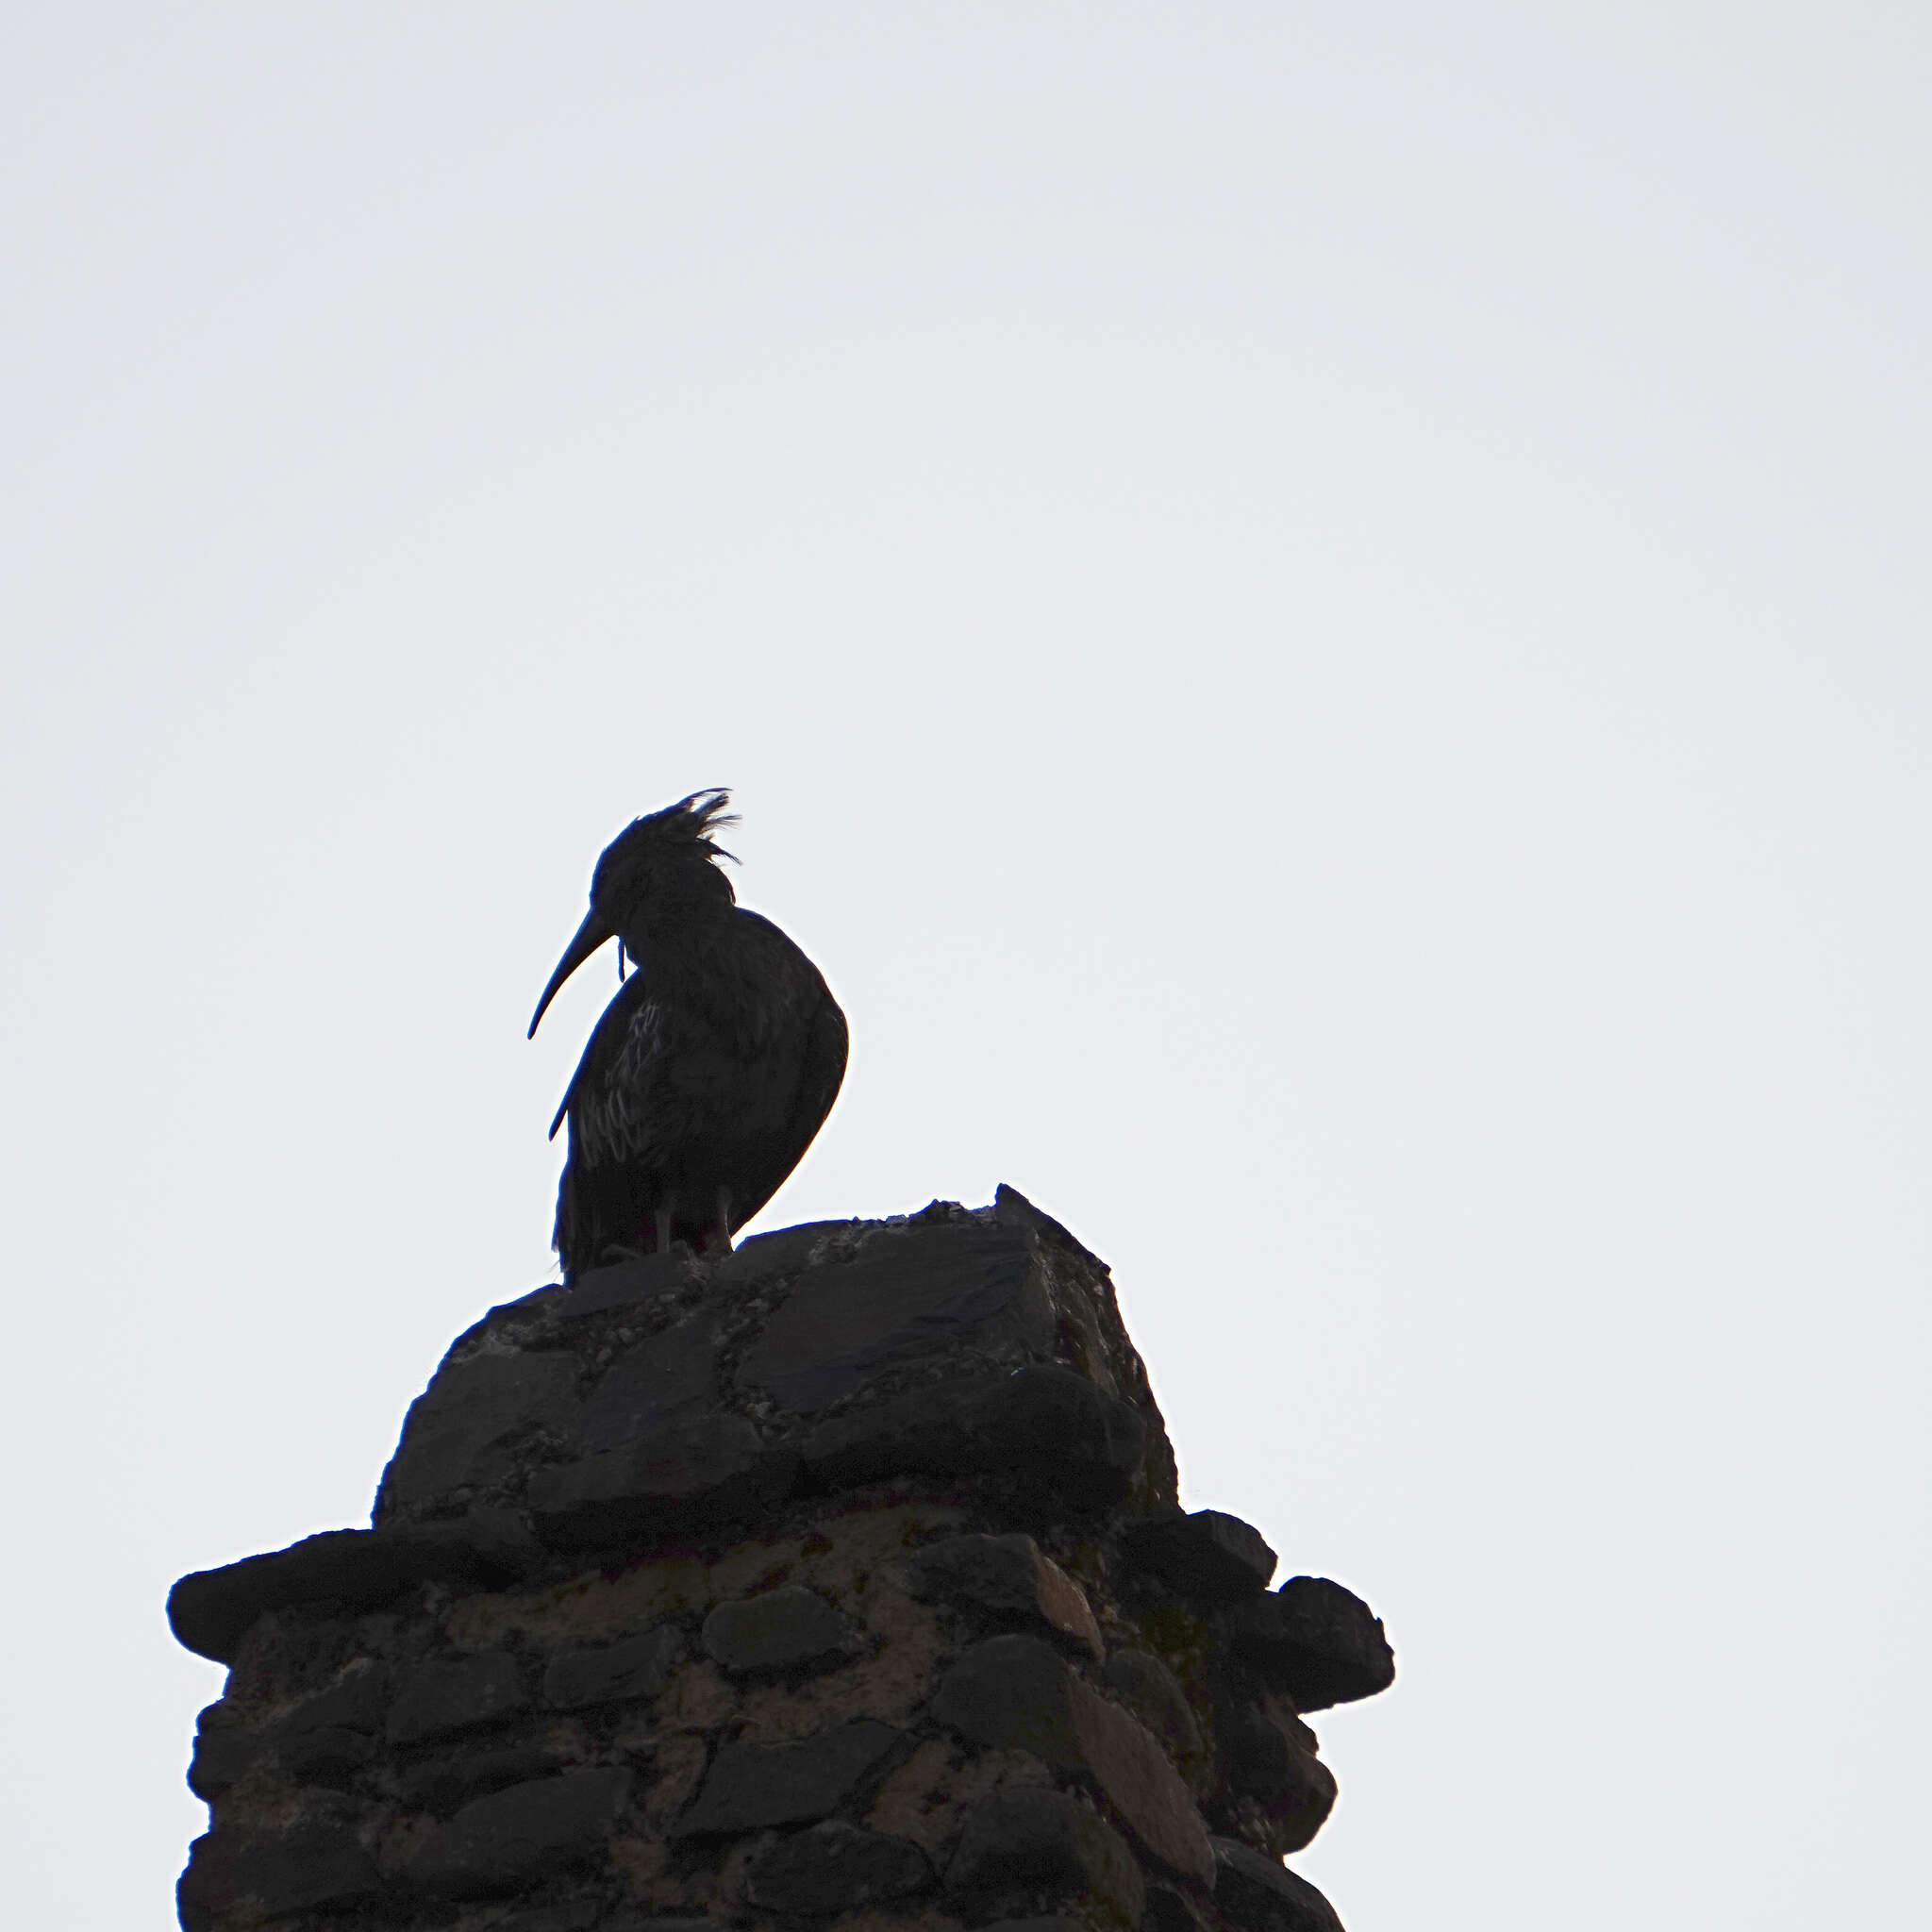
<point x="670" y="939"/>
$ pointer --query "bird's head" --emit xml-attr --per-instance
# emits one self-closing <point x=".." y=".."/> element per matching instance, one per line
<point x="659" y="875"/>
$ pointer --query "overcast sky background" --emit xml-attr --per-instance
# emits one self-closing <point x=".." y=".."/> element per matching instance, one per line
<point x="1317" y="613"/>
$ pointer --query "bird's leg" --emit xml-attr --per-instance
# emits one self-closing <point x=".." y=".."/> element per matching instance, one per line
<point x="724" y="1242"/>
<point x="663" y="1230"/>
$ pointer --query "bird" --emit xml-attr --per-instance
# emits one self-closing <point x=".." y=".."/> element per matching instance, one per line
<point x="711" y="1070"/>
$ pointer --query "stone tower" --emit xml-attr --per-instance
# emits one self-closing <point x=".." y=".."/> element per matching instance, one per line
<point x="838" y="1583"/>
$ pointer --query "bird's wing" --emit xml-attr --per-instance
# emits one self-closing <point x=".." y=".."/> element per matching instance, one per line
<point x="821" y="1073"/>
<point x="646" y="1072"/>
<point x="607" y="1037"/>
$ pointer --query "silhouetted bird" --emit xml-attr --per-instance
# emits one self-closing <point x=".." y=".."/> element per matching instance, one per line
<point x="709" y="1072"/>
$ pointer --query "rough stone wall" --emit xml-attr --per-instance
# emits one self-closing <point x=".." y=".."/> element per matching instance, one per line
<point x="840" y="1582"/>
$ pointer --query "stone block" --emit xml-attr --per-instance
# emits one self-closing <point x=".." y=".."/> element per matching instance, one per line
<point x="777" y="1632"/>
<point x="783" y="1252"/>
<point x="1271" y="1757"/>
<point x="498" y="1534"/>
<point x="324" y="1757"/>
<point x="909" y="1295"/>
<point x="329" y="1735"/>
<point x="1154" y="1695"/>
<point x="708" y="1470"/>
<point x="473" y="1769"/>
<point x="613" y="1673"/>
<point x="222" y="1751"/>
<point x="1040" y="1846"/>
<point x="501" y="1843"/>
<point x="834" y="1868"/>
<point x="622" y="1285"/>
<point x="1016" y="1693"/>
<point x="761" y="1787"/>
<point x="668" y="1378"/>
<point x="1315" y="1642"/>
<point x="317" y="1865"/>
<point x="325" y="1737"/>
<point x="356" y="1570"/>
<point x="1012" y="1209"/>
<point x="1013" y="1693"/>
<point x="459" y="1429"/>
<point x="1071" y="1442"/>
<point x="1008" y="1577"/>
<point x="573" y="1915"/>
<point x="1260" y="1894"/>
<point x="1209" y="1555"/>
<point x="1168" y="1911"/>
<point x="1069" y="1437"/>
<point x="1126" y="1761"/>
<point x="959" y="1371"/>
<point x="354" y="1702"/>
<point x="440" y="1700"/>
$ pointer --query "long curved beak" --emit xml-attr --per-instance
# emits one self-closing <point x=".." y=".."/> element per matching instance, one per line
<point x="595" y="929"/>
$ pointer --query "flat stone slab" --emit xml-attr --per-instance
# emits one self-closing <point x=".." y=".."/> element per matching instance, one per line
<point x="1047" y="1423"/>
<point x="1318" y="1642"/>
<point x="1152" y="1690"/>
<point x="783" y="1252"/>
<point x="328" y="1739"/>
<point x="759" y="1787"/>
<point x="500" y="1843"/>
<point x="613" y="1673"/>
<point x="222" y="1751"/>
<point x="575" y="1915"/>
<point x="317" y="1865"/>
<point x="834" y="1868"/>
<point x="1017" y="1693"/>
<point x="711" y="1469"/>
<point x="667" y="1379"/>
<point x="620" y="1286"/>
<point x="325" y="1735"/>
<point x="912" y="1294"/>
<point x="474" y="1768"/>
<point x="1126" y="1761"/>
<point x="1208" y="1554"/>
<point x="211" y="1611"/>
<point x="459" y="1431"/>
<point x="439" y="1700"/>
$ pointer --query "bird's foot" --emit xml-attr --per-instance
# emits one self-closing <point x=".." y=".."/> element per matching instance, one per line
<point x="611" y="1253"/>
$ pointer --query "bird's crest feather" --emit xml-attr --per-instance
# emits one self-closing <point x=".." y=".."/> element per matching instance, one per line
<point x="681" y="833"/>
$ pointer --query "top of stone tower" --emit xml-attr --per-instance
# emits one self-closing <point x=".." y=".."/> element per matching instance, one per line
<point x="841" y="1575"/>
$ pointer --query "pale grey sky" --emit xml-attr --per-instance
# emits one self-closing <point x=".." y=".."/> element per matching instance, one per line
<point x="1317" y="613"/>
